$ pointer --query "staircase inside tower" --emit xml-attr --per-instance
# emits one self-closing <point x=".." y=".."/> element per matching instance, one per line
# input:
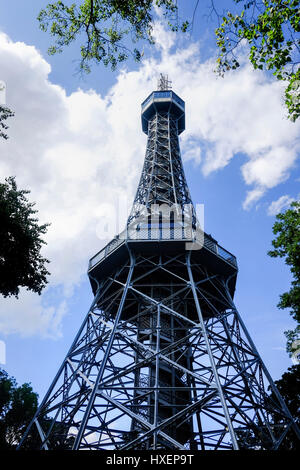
<point x="161" y="389"/>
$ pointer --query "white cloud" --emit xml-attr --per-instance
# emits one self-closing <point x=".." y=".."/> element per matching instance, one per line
<point x="253" y="196"/>
<point x="79" y="152"/>
<point x="281" y="203"/>
<point x="30" y="315"/>
<point x="240" y="114"/>
<point x="74" y="153"/>
<point x="163" y="39"/>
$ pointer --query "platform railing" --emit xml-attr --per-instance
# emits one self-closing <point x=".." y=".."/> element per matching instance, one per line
<point x="160" y="235"/>
<point x="157" y="95"/>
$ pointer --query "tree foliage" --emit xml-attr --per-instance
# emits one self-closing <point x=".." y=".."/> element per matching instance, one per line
<point x="18" y="405"/>
<point x="271" y="28"/>
<point x="5" y="113"/>
<point x="289" y="388"/>
<point x="287" y="245"/>
<point x="108" y="28"/>
<point x="21" y="263"/>
<point x="105" y="25"/>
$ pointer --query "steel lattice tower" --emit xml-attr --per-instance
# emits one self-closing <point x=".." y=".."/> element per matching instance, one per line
<point x="163" y="359"/>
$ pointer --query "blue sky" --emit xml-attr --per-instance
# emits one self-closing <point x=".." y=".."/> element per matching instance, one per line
<point x="77" y="143"/>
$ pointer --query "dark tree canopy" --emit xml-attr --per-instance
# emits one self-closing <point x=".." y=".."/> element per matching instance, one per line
<point x="287" y="245"/>
<point x="289" y="388"/>
<point x="18" y="405"/>
<point x="21" y="263"/>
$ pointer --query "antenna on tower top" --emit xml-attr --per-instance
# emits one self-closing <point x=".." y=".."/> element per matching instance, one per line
<point x="164" y="83"/>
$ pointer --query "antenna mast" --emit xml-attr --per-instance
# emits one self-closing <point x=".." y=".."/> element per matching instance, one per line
<point x="164" y="83"/>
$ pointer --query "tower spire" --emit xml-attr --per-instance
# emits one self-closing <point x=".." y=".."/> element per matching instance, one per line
<point x="163" y="83"/>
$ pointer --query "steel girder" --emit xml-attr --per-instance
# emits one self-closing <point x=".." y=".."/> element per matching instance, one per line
<point x="162" y="180"/>
<point x="162" y="361"/>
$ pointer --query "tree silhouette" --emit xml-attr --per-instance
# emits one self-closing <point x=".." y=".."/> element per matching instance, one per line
<point x="17" y="407"/>
<point x="21" y="263"/>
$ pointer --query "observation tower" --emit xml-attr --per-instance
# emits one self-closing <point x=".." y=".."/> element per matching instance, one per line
<point x="163" y="359"/>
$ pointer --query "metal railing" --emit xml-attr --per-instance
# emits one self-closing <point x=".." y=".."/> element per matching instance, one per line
<point x="163" y="94"/>
<point x="159" y="235"/>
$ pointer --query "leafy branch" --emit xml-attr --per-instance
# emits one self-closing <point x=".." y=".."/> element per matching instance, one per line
<point x="104" y="25"/>
<point x="5" y="113"/>
<point x="271" y="28"/>
<point x="287" y="245"/>
<point x="21" y="263"/>
<point x="107" y="29"/>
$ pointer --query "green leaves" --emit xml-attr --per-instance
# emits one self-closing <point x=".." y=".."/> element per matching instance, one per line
<point x="292" y="96"/>
<point x="17" y="407"/>
<point x="106" y="30"/>
<point x="103" y="27"/>
<point x="289" y="388"/>
<point x="5" y="113"/>
<point x="21" y="263"/>
<point x="287" y="245"/>
<point x="270" y="28"/>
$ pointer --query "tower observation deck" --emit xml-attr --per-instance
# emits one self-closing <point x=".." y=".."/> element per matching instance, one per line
<point x="163" y="359"/>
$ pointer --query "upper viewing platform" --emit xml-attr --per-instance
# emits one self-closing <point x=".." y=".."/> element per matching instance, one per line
<point x="163" y="101"/>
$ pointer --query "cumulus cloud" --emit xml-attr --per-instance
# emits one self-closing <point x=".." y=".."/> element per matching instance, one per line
<point x="243" y="113"/>
<point x="281" y="203"/>
<point x="74" y="153"/>
<point x="30" y="315"/>
<point x="79" y="153"/>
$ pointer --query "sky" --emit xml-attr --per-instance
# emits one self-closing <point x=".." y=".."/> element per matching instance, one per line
<point x="76" y="142"/>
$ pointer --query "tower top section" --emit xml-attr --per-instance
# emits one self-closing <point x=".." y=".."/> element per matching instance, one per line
<point x="163" y="101"/>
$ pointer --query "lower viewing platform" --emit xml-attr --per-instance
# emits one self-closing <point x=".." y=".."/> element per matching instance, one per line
<point x="205" y="242"/>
